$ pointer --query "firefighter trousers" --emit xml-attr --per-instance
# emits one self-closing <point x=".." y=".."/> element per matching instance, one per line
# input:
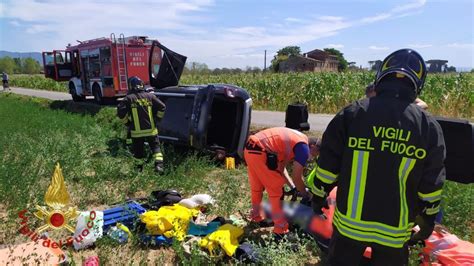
<point x="138" y="148"/>
<point x="261" y="178"/>
<point x="346" y="251"/>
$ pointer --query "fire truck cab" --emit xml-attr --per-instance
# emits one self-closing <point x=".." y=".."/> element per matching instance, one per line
<point x="100" y="67"/>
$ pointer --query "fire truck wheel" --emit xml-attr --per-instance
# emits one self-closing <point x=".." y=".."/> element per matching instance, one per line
<point x="75" y="97"/>
<point x="97" y="95"/>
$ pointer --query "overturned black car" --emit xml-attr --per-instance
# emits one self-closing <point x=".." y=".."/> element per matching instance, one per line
<point x="214" y="117"/>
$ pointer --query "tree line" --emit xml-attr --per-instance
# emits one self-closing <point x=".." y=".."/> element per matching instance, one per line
<point x="19" y="65"/>
<point x="201" y="68"/>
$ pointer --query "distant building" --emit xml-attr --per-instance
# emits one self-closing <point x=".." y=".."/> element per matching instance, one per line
<point x="312" y="61"/>
<point x="437" y="65"/>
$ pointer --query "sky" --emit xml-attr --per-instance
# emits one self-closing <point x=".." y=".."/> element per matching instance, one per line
<point x="230" y="33"/>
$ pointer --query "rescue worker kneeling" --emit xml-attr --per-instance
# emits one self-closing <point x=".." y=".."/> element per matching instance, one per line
<point x="267" y="153"/>
<point x="138" y="110"/>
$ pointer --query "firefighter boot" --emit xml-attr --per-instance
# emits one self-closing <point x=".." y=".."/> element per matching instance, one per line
<point x="159" y="162"/>
<point x="159" y="167"/>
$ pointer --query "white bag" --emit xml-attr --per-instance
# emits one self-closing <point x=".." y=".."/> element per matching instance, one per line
<point x="88" y="229"/>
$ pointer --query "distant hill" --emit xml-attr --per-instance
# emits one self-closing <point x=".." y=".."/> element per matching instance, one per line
<point x="35" y="55"/>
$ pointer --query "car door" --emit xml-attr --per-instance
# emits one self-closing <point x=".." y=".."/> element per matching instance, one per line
<point x="57" y="65"/>
<point x="165" y="66"/>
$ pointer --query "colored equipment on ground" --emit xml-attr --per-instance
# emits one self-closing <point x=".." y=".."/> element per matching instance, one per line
<point x="125" y="214"/>
<point x="226" y="237"/>
<point x="169" y="221"/>
<point x="443" y="248"/>
<point x="156" y="241"/>
<point x="202" y="230"/>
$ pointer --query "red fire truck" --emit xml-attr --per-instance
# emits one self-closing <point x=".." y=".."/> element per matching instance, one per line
<point x="101" y="67"/>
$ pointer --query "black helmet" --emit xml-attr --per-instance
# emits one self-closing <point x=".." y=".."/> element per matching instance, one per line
<point x="404" y="63"/>
<point x="135" y="83"/>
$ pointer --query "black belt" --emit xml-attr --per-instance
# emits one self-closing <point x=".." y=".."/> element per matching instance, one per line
<point x="252" y="146"/>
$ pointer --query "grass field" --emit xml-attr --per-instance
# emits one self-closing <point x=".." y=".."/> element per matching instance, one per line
<point x="446" y="94"/>
<point x="99" y="171"/>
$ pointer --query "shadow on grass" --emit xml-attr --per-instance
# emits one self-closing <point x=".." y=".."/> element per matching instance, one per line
<point x="117" y="147"/>
<point x="88" y="107"/>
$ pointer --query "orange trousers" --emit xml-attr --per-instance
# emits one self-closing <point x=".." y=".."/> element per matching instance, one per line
<point x="261" y="178"/>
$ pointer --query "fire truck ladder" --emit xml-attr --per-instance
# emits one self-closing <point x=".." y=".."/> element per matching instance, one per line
<point x="121" y="61"/>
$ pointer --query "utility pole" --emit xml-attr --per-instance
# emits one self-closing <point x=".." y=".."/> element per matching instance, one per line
<point x="265" y="62"/>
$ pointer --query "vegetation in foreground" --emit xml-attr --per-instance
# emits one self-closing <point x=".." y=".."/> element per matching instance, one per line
<point x="99" y="171"/>
<point x="449" y="95"/>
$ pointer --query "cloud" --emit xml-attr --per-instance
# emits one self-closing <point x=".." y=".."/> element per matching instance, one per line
<point x="461" y="45"/>
<point x="14" y="23"/>
<point x="337" y="46"/>
<point x="379" y="48"/>
<point x="296" y="20"/>
<point x="410" y="6"/>
<point x="79" y="16"/>
<point x="376" y="18"/>
<point x="187" y="26"/>
<point x="37" y="29"/>
<point x="419" y="46"/>
<point x="400" y="11"/>
<point x="330" y="18"/>
<point x="252" y="31"/>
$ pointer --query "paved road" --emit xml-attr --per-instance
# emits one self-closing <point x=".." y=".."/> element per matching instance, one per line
<point x="318" y="122"/>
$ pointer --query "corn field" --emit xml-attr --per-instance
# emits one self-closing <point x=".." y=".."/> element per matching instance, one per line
<point x="446" y="94"/>
<point x="37" y="82"/>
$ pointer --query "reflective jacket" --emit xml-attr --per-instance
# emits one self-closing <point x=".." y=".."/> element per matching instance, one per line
<point x="280" y="140"/>
<point x="386" y="156"/>
<point x="139" y="110"/>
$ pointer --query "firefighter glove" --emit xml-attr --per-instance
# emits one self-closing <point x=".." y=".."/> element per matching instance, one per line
<point x="318" y="204"/>
<point x="426" y="224"/>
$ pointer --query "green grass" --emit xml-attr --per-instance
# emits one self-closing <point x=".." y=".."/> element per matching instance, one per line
<point x="446" y="94"/>
<point x="99" y="171"/>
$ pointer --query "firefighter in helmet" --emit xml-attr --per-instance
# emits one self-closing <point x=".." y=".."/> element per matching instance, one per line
<point x="385" y="154"/>
<point x="141" y="110"/>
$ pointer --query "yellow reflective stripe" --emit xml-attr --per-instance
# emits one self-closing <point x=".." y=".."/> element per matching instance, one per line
<point x="431" y="211"/>
<point x="125" y="119"/>
<point x="371" y="231"/>
<point x="370" y="236"/>
<point x="144" y="133"/>
<point x="310" y="183"/>
<point x="325" y="176"/>
<point x="310" y="178"/>
<point x="158" y="156"/>
<point x="160" y="114"/>
<point x="363" y="180"/>
<point x="150" y="115"/>
<point x="136" y="121"/>
<point x="431" y="197"/>
<point x="360" y="161"/>
<point x="377" y="227"/>
<point x="404" y="170"/>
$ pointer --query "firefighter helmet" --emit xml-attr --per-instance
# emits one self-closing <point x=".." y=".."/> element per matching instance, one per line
<point x="404" y="63"/>
<point x="135" y="83"/>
